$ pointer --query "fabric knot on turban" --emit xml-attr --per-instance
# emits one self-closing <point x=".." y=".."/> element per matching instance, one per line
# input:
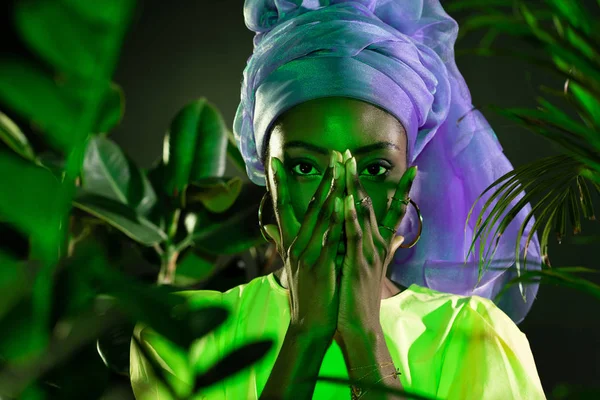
<point x="398" y="55"/>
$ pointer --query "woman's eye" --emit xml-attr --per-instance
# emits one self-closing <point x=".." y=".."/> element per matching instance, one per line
<point x="376" y="170"/>
<point x="304" y="169"/>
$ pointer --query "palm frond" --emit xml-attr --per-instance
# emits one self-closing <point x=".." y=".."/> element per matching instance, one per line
<point x="566" y="276"/>
<point x="556" y="181"/>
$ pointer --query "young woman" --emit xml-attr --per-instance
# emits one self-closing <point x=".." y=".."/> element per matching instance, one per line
<point x="341" y="101"/>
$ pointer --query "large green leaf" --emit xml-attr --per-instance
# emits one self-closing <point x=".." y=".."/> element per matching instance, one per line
<point x="14" y="138"/>
<point x="195" y="146"/>
<point x="120" y="216"/>
<point x="111" y="109"/>
<point x="108" y="172"/>
<point x="14" y="282"/>
<point x="230" y="232"/>
<point x="38" y="98"/>
<point x="33" y="201"/>
<point x="73" y="36"/>
<point x="216" y="194"/>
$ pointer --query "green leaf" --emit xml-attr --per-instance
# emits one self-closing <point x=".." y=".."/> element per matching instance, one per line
<point x="121" y="217"/>
<point x="111" y="109"/>
<point x="113" y="347"/>
<point x="230" y="232"/>
<point x="14" y="282"/>
<point x="152" y="379"/>
<point x="587" y="101"/>
<point x="564" y="276"/>
<point x="577" y="41"/>
<point x="216" y="194"/>
<point x="195" y="146"/>
<point x="34" y="202"/>
<point x="171" y="315"/>
<point x="109" y="173"/>
<point x="574" y="13"/>
<point x="71" y="35"/>
<point x="14" y="138"/>
<point x="547" y="178"/>
<point x="36" y="97"/>
<point x="194" y="268"/>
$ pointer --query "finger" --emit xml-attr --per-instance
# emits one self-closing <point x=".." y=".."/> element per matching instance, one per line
<point x="397" y="209"/>
<point x="315" y="245"/>
<point x="328" y="242"/>
<point x="366" y="215"/>
<point x="326" y="187"/>
<point x="354" y="233"/>
<point x="396" y="243"/>
<point x="284" y="213"/>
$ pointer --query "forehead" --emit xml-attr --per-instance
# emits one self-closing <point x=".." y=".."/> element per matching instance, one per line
<point x="337" y="123"/>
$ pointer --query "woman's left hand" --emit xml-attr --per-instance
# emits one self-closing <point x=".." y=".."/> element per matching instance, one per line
<point x="369" y="249"/>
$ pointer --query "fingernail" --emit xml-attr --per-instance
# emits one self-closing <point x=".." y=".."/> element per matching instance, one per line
<point x="349" y="202"/>
<point x="338" y="156"/>
<point x="352" y="166"/>
<point x="337" y="171"/>
<point x="347" y="155"/>
<point x="337" y="205"/>
<point x="332" y="159"/>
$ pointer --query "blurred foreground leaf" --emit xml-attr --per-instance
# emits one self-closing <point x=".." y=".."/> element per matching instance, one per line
<point x="14" y="138"/>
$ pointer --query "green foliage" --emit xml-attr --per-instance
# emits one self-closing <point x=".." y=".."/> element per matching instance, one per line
<point x="76" y="197"/>
<point x="563" y="31"/>
<point x="14" y="138"/>
<point x="194" y="147"/>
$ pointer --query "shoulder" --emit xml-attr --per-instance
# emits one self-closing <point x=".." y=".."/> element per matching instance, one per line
<point x="459" y="312"/>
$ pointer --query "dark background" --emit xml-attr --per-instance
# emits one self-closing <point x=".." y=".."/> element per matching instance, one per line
<point x="178" y="51"/>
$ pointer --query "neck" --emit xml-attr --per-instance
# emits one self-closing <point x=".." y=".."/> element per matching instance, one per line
<point x="388" y="288"/>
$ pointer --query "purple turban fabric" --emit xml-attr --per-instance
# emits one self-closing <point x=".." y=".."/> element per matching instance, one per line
<point x="399" y="56"/>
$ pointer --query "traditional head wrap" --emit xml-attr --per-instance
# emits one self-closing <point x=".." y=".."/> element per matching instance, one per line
<point x="398" y="55"/>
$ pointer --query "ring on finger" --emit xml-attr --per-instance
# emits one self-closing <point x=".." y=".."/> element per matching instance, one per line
<point x="363" y="202"/>
<point x="388" y="228"/>
<point x="405" y="202"/>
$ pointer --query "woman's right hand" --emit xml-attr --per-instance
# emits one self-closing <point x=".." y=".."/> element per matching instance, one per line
<point x="309" y="249"/>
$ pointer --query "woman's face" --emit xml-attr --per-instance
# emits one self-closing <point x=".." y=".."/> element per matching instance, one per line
<point x="304" y="136"/>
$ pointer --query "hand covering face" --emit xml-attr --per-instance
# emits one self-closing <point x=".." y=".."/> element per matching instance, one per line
<point x="398" y="55"/>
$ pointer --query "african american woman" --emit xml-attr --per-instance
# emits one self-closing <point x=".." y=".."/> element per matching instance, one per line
<point x="355" y="117"/>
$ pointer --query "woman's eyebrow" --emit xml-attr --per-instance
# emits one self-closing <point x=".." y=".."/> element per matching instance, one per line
<point x="325" y="152"/>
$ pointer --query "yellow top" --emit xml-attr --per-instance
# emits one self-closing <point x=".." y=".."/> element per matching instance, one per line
<point x="446" y="346"/>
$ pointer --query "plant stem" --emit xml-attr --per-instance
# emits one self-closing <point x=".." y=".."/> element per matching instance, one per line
<point x="168" y="266"/>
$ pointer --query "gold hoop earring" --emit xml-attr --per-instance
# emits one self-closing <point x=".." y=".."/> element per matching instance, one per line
<point x="263" y="232"/>
<point x="411" y="201"/>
